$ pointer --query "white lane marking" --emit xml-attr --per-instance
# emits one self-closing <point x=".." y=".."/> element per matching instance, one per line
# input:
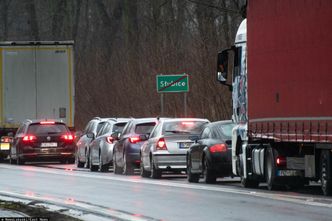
<point x="281" y="197"/>
<point x="73" y="204"/>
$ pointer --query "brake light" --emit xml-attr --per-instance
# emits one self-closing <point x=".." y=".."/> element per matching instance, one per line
<point x="110" y="139"/>
<point x="67" y="137"/>
<point x="29" y="138"/>
<point x="134" y="139"/>
<point x="47" y="122"/>
<point x="161" y="144"/>
<point x="281" y="161"/>
<point x="187" y="123"/>
<point x="218" y="148"/>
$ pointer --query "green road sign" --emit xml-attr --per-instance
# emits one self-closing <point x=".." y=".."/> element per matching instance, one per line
<point x="172" y="83"/>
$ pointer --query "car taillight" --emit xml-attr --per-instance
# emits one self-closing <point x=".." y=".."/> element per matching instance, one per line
<point x="29" y="138"/>
<point x="47" y="122"/>
<point x="218" y="148"/>
<point x="281" y="161"/>
<point x="67" y="137"/>
<point x="110" y="139"/>
<point x="161" y="144"/>
<point x="134" y="139"/>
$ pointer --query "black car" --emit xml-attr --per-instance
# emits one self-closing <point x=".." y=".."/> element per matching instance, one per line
<point x="126" y="151"/>
<point x="42" y="140"/>
<point x="211" y="154"/>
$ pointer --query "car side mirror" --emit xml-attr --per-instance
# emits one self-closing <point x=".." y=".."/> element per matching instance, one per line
<point x="222" y="66"/>
<point x="90" y="135"/>
<point x="144" y="137"/>
<point x="116" y="135"/>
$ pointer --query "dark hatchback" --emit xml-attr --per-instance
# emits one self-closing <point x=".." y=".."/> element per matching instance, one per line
<point x="126" y="151"/>
<point x="42" y="140"/>
<point x="211" y="154"/>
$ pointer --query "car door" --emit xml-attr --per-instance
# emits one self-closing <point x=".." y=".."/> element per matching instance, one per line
<point x="19" y="134"/>
<point x="197" y="149"/>
<point x="150" y="144"/>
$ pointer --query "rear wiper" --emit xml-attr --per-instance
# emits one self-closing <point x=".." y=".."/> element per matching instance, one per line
<point x="178" y="131"/>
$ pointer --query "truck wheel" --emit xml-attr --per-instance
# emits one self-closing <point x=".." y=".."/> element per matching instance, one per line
<point x="209" y="175"/>
<point x="325" y="174"/>
<point x="191" y="177"/>
<point x="270" y="169"/>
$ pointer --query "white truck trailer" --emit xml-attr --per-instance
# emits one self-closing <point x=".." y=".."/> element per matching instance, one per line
<point x="36" y="82"/>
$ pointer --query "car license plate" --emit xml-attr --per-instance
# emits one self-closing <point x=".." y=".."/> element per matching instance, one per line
<point x="185" y="145"/>
<point x="49" y="144"/>
<point x="4" y="146"/>
<point x="289" y="173"/>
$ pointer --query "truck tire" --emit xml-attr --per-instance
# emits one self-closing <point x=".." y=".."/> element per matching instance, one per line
<point x="270" y="169"/>
<point x="247" y="182"/>
<point x="326" y="172"/>
<point x="191" y="177"/>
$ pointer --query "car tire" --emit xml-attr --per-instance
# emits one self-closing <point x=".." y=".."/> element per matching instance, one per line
<point x="326" y="173"/>
<point x="143" y="172"/>
<point x="116" y="169"/>
<point x="127" y="167"/>
<point x="270" y="170"/>
<point x="87" y="160"/>
<point x="155" y="173"/>
<point x="191" y="177"/>
<point x="78" y="163"/>
<point x="19" y="161"/>
<point x="102" y="167"/>
<point x="209" y="175"/>
<point x="93" y="168"/>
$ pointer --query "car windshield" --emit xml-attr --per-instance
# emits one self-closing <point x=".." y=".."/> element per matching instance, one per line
<point x="223" y="130"/>
<point x="145" y="128"/>
<point x="47" y="129"/>
<point x="189" y="127"/>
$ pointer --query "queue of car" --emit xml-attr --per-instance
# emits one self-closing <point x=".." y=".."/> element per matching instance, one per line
<point x="155" y="146"/>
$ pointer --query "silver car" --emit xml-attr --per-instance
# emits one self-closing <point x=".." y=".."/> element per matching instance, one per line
<point x="167" y="146"/>
<point x="101" y="148"/>
<point x="82" y="145"/>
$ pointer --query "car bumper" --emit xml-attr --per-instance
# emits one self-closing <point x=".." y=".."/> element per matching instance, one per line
<point x="47" y="153"/>
<point x="170" y="161"/>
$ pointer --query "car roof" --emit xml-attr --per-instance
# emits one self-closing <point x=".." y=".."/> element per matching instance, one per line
<point x="144" y="120"/>
<point x="184" y="119"/>
<point x="36" y="121"/>
<point x="212" y="124"/>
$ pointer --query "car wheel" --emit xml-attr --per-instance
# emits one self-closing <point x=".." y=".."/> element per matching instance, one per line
<point x="102" y="167"/>
<point x="155" y="173"/>
<point x="78" y="163"/>
<point x="92" y="167"/>
<point x="209" y="175"/>
<point x="127" y="167"/>
<point x="143" y="172"/>
<point x="326" y="174"/>
<point x="116" y="169"/>
<point x="191" y="177"/>
<point x="19" y="161"/>
<point x="87" y="160"/>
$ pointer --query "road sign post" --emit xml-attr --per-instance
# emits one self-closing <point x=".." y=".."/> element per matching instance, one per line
<point x="173" y="84"/>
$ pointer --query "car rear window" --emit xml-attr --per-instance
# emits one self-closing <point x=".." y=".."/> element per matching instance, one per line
<point x="119" y="127"/>
<point x="47" y="129"/>
<point x="188" y="127"/>
<point x="145" y="128"/>
<point x="224" y="130"/>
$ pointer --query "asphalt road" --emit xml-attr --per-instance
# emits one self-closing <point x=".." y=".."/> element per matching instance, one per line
<point x="171" y="198"/>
